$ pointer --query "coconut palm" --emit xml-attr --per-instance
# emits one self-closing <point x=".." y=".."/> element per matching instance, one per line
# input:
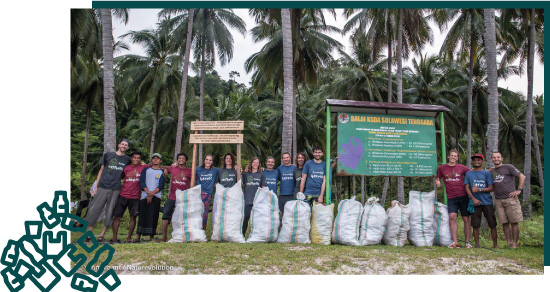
<point x="156" y="77"/>
<point x="491" y="52"/>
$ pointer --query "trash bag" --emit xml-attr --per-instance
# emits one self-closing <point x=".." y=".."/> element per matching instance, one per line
<point x="441" y="225"/>
<point x="187" y="216"/>
<point x="321" y="223"/>
<point x="296" y="223"/>
<point x="264" y="219"/>
<point x="228" y="214"/>
<point x="347" y="222"/>
<point x="398" y="224"/>
<point x="373" y="223"/>
<point x="422" y="218"/>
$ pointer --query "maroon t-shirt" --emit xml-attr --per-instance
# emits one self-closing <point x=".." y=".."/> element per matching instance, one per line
<point x="131" y="175"/>
<point x="181" y="180"/>
<point x="453" y="177"/>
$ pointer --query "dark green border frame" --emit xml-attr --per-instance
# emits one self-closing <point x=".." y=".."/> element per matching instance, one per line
<point x="350" y="4"/>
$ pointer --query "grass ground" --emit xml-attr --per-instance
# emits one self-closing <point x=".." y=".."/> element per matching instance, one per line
<point x="275" y="258"/>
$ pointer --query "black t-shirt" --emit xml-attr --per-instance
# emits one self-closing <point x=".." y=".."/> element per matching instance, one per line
<point x="251" y="182"/>
<point x="227" y="177"/>
<point x="112" y="171"/>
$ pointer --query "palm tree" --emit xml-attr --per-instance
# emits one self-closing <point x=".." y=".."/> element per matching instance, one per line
<point x="464" y="38"/>
<point x="109" y="135"/>
<point x="491" y="47"/>
<point x="288" y="102"/>
<point x="156" y="77"/>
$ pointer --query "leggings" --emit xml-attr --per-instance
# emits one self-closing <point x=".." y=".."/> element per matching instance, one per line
<point x="247" y="210"/>
<point x="206" y="201"/>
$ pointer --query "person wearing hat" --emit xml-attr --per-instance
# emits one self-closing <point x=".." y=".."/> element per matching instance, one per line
<point x="151" y="182"/>
<point x="478" y="184"/>
<point x="108" y="187"/>
<point x="506" y="197"/>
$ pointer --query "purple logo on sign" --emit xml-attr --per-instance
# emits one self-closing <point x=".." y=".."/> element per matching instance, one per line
<point x="350" y="155"/>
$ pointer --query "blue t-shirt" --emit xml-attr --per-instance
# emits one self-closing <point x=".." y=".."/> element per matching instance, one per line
<point x="151" y="179"/>
<point x="207" y="178"/>
<point x="314" y="180"/>
<point x="271" y="178"/>
<point x="481" y="179"/>
<point x="286" y="179"/>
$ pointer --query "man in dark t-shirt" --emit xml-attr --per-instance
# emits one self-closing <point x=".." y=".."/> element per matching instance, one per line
<point x="452" y="174"/>
<point x="108" y="187"/>
<point x="506" y="197"/>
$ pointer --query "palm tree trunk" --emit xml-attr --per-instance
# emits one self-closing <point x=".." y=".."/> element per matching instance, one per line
<point x="109" y="132"/>
<point x="183" y="92"/>
<point x="363" y="190"/>
<point x="385" y="190"/>
<point x="400" y="183"/>
<point x="154" y="130"/>
<point x="294" y="135"/>
<point x="539" y="160"/>
<point x="389" y="72"/>
<point x="83" y="195"/>
<point x="529" y="118"/>
<point x="201" y="101"/>
<point x="470" y="101"/>
<point x="288" y="96"/>
<point x="492" y="102"/>
<point x="354" y="186"/>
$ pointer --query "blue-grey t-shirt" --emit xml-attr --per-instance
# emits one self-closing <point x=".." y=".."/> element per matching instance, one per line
<point x="206" y="178"/>
<point x="151" y="179"/>
<point x="481" y="179"/>
<point x="286" y="180"/>
<point x="271" y="178"/>
<point x="315" y="174"/>
<point x="251" y="183"/>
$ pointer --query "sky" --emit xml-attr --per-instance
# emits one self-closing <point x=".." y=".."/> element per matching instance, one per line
<point x="244" y="47"/>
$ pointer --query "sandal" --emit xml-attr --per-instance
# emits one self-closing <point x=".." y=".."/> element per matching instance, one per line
<point x="114" y="242"/>
<point x="88" y="239"/>
<point x="101" y="239"/>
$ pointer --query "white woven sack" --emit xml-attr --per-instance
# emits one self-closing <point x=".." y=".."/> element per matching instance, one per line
<point x="228" y="214"/>
<point x="398" y="224"/>
<point x="347" y="222"/>
<point x="296" y="223"/>
<point x="422" y="218"/>
<point x="187" y="216"/>
<point x="441" y="225"/>
<point x="264" y="219"/>
<point x="321" y="223"/>
<point x="373" y="223"/>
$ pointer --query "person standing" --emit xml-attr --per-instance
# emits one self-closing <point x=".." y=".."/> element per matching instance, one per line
<point x="129" y="196"/>
<point x="271" y="175"/>
<point x="506" y="197"/>
<point x="152" y="183"/>
<point x="287" y="182"/>
<point x="180" y="181"/>
<point x="253" y="178"/>
<point x="452" y="174"/>
<point x="227" y="175"/>
<point x="478" y="184"/>
<point x="108" y="187"/>
<point x="314" y="177"/>
<point x="206" y="175"/>
<point x="301" y="159"/>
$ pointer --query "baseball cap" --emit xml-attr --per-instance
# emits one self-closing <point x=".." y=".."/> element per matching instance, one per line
<point x="157" y="155"/>
<point x="479" y="156"/>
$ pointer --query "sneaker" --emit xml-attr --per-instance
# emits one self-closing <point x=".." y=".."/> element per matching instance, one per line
<point x="454" y="245"/>
<point x="468" y="245"/>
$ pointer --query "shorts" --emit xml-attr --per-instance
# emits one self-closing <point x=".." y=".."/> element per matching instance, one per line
<point x="169" y="207"/>
<point x="509" y="210"/>
<point x="310" y="199"/>
<point x="283" y="200"/>
<point x="488" y="211"/>
<point x="124" y="203"/>
<point x="459" y="203"/>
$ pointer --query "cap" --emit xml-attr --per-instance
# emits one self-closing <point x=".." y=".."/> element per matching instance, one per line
<point x="479" y="156"/>
<point x="157" y="155"/>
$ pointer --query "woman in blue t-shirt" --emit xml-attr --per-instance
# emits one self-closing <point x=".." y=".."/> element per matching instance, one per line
<point x="206" y="176"/>
<point x="253" y="178"/>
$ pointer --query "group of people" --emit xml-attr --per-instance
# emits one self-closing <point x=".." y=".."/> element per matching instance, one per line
<point x="468" y="191"/>
<point x="140" y="191"/>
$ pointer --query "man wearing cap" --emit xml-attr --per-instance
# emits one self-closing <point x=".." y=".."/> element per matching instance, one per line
<point x="152" y="183"/>
<point x="452" y="174"/>
<point x="181" y="180"/>
<point x="506" y="197"/>
<point x="478" y="183"/>
<point x="108" y="187"/>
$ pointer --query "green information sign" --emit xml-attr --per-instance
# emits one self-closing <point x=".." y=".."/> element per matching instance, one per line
<point x="370" y="144"/>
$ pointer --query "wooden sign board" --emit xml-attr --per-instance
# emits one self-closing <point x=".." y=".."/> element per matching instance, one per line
<point x="217" y="125"/>
<point x="216" y="138"/>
